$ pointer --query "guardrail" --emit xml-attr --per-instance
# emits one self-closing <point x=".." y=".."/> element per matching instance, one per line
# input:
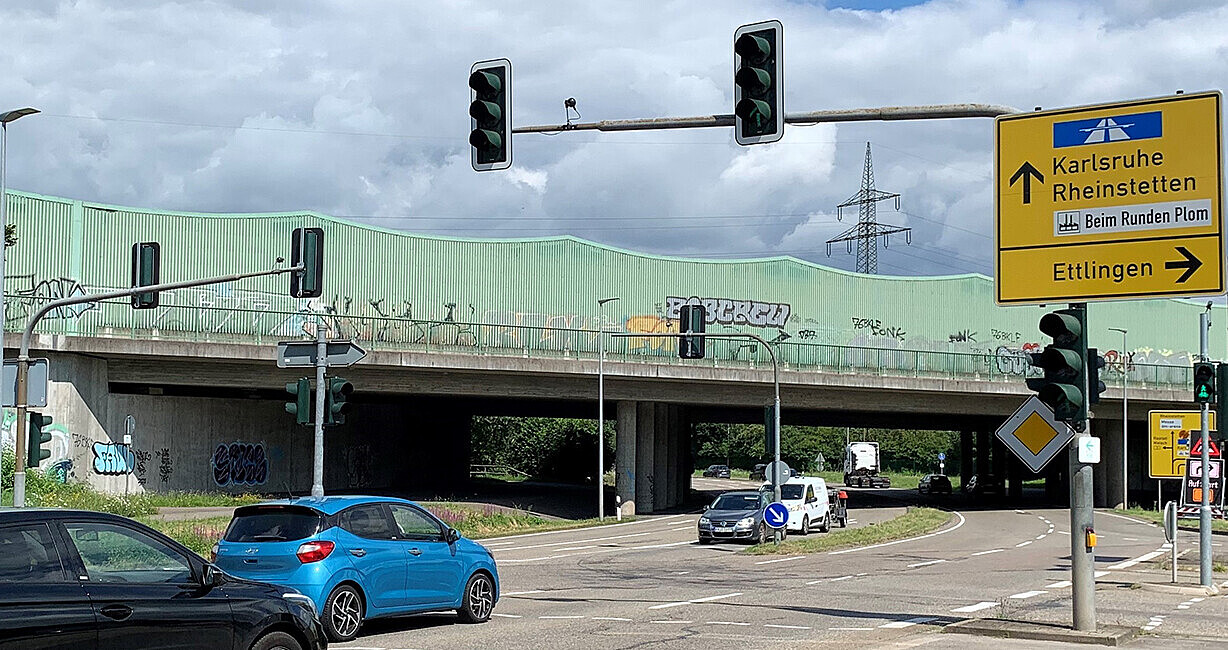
<point x="265" y="326"/>
<point x="496" y="470"/>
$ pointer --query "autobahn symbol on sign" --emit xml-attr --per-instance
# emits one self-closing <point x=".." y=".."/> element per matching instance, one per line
<point x="1109" y="201"/>
<point x="776" y="515"/>
<point x="1034" y="434"/>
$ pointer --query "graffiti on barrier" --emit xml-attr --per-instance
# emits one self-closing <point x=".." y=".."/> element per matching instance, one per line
<point x="113" y="459"/>
<point x="240" y="463"/>
<point x="142" y="464"/>
<point x="730" y="311"/>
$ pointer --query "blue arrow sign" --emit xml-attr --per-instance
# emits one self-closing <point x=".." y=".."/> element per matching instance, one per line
<point x="776" y="515"/>
<point x="942" y="456"/>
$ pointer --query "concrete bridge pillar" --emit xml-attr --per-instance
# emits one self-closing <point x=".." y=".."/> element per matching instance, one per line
<point x="624" y="456"/>
<point x="660" y="485"/>
<point x="982" y="452"/>
<point x="673" y="458"/>
<point x="1106" y="475"/>
<point x="967" y="457"/>
<point x="645" y="456"/>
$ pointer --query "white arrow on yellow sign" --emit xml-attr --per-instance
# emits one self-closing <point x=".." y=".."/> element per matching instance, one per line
<point x="1034" y="434"/>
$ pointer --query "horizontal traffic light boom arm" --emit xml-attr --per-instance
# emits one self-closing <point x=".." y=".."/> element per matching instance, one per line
<point x="888" y="113"/>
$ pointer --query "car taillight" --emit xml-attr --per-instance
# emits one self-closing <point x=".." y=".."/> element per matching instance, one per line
<point x="309" y="552"/>
<point x="843" y="494"/>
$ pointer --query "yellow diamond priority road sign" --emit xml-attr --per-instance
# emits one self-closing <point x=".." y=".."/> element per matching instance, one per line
<point x="1110" y="201"/>
<point x="1034" y="435"/>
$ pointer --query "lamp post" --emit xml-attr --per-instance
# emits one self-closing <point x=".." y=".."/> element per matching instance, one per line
<point x="601" y="407"/>
<point x="1125" y="420"/>
<point x="19" y="469"/>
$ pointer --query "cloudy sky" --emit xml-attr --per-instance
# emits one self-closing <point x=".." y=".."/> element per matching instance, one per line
<point x="359" y="109"/>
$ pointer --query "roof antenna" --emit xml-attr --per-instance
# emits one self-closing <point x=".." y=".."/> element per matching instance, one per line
<point x="569" y="107"/>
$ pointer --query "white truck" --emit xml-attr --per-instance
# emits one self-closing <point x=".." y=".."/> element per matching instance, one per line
<point x="861" y="466"/>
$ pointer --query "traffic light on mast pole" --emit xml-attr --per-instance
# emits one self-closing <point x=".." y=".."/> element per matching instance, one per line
<point x="691" y="319"/>
<point x="300" y="408"/>
<point x="38" y="436"/>
<point x="1063" y="363"/>
<point x="1204" y="382"/>
<point x="337" y="392"/>
<point x="758" y="83"/>
<point x="146" y="271"/>
<point x="490" y="114"/>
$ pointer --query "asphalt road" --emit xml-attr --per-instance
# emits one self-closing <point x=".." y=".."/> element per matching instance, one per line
<point x="647" y="584"/>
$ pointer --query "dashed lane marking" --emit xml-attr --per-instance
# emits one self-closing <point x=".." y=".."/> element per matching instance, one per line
<point x="507" y="615"/>
<point x="921" y="564"/>
<point x="996" y="550"/>
<point x="1100" y="574"/>
<point x="673" y="622"/>
<point x="787" y="627"/>
<point x="1027" y="594"/>
<point x="695" y="601"/>
<point x="522" y="593"/>
<point x="611" y="618"/>
<point x="907" y="623"/>
<point x="545" y="618"/>
<point x="1146" y="557"/>
<point x="968" y="609"/>
<point x="783" y="559"/>
<point x="834" y="579"/>
<point x="850" y="629"/>
<point x="1023" y="544"/>
<point x="725" y="623"/>
<point x="1059" y="585"/>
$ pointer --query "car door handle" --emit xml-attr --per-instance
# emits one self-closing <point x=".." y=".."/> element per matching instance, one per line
<point x="117" y="612"/>
<point x="358" y="552"/>
<point x="415" y="552"/>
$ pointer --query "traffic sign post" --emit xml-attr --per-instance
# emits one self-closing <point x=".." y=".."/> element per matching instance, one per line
<point x="1109" y="201"/>
<point x="1170" y="441"/>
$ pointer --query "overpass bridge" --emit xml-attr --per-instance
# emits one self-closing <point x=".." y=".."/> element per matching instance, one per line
<point x="464" y="327"/>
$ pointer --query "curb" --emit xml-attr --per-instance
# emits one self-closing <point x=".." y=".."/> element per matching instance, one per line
<point x="1183" y="590"/>
<point x="1106" y="635"/>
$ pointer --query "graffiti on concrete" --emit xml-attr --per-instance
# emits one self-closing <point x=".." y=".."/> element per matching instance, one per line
<point x="166" y="464"/>
<point x="1014" y="361"/>
<point x="358" y="465"/>
<point x="113" y="459"/>
<point x="730" y="311"/>
<point x="142" y="464"/>
<point x="240" y="463"/>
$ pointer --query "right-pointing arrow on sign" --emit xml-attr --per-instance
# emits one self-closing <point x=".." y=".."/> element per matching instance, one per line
<point x="1190" y="264"/>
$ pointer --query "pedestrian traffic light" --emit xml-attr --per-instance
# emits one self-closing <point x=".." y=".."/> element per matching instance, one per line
<point x="38" y="436"/>
<point x="335" y="404"/>
<point x="1095" y="362"/>
<point x="307" y="250"/>
<point x="146" y="271"/>
<point x="300" y="408"/>
<point x="758" y="81"/>
<point x="1061" y="388"/>
<point x="1221" y="396"/>
<point x="1204" y="382"/>
<point x="490" y="114"/>
<point x="691" y="319"/>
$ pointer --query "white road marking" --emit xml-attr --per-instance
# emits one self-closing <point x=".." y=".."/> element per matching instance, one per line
<point x="850" y="629"/>
<point x="673" y="622"/>
<point x="1041" y="536"/>
<point x="507" y="615"/>
<point x="611" y="618"/>
<point x="921" y="564"/>
<point x="1022" y="544"/>
<point x="1100" y="574"/>
<point x="558" y="617"/>
<point x="907" y="623"/>
<point x="1059" y="585"/>
<point x="696" y="600"/>
<point x="1020" y="512"/>
<point x="1146" y="557"/>
<point x="903" y="541"/>
<point x="724" y="623"/>
<point x="1129" y="539"/>
<point x="1197" y="600"/>
<point x="578" y="548"/>
<point x="1130" y="519"/>
<point x="996" y="550"/>
<point x="787" y="627"/>
<point x="681" y="573"/>
<point x="968" y="609"/>
<point x="1027" y="594"/>
<point x="492" y="540"/>
<point x="783" y="559"/>
<point x="1063" y="532"/>
<point x="522" y="593"/>
<point x="1041" y="518"/>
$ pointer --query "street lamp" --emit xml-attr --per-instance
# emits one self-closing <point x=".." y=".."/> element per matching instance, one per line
<point x="1125" y="419"/>
<point x="601" y="407"/>
<point x="5" y="118"/>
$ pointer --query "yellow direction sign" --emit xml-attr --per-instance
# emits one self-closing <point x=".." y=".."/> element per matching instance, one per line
<point x="1034" y="435"/>
<point x="1172" y="433"/>
<point x="1111" y="201"/>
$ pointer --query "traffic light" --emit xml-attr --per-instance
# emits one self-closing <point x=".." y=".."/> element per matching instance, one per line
<point x="307" y="250"/>
<point x="300" y="408"/>
<point x="1063" y="364"/>
<point x="146" y="270"/>
<point x="38" y="436"/>
<point x="490" y="114"/>
<point x="769" y="429"/>
<point x="758" y="83"/>
<point x="1094" y="363"/>
<point x="335" y="404"/>
<point x="691" y="319"/>
<point x="1221" y="378"/>
<point x="1204" y="382"/>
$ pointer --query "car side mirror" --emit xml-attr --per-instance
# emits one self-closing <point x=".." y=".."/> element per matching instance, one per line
<point x="705" y="508"/>
<point x="452" y="535"/>
<point x="211" y="576"/>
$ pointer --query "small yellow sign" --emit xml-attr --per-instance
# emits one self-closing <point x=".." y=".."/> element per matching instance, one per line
<point x="1034" y="434"/>
<point x="1110" y="201"/>
<point x="1171" y="434"/>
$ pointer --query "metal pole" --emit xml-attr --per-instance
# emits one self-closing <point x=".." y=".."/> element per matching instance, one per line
<point x="1125" y="440"/>
<point x="1082" y="558"/>
<point x="4" y="223"/>
<point x="317" y="464"/>
<point x="1204" y="512"/>
<point x="19" y="473"/>
<point x="600" y="419"/>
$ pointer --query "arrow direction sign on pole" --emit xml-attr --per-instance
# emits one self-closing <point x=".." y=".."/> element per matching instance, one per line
<point x="1110" y="202"/>
<point x="302" y="354"/>
<point x="776" y="515"/>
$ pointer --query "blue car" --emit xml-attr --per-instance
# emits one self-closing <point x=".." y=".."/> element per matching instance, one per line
<point x="361" y="557"/>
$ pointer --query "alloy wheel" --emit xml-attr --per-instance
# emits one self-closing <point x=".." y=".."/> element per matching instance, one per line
<point x="346" y="613"/>
<point x="481" y="598"/>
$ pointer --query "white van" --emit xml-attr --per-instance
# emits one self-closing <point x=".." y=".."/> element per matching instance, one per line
<point x="806" y="499"/>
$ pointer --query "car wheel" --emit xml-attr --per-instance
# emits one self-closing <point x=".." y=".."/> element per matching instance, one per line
<point x="479" y="600"/>
<point x="705" y="540"/>
<point x="806" y="525"/>
<point x="826" y="525"/>
<point x="277" y="641"/>
<point x="343" y="612"/>
<point x="761" y="534"/>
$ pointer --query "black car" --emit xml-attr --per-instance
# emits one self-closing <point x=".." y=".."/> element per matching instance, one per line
<point x="759" y="472"/>
<point x="87" y="580"/>
<point x="717" y="471"/>
<point x="934" y="484"/>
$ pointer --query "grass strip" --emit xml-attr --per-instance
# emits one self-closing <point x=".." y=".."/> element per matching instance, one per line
<point x="1184" y="524"/>
<point x="196" y="534"/>
<point x="917" y="521"/>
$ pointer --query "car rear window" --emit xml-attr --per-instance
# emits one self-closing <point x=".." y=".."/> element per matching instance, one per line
<point x="273" y="524"/>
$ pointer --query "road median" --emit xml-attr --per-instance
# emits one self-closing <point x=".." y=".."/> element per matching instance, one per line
<point x="913" y="523"/>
